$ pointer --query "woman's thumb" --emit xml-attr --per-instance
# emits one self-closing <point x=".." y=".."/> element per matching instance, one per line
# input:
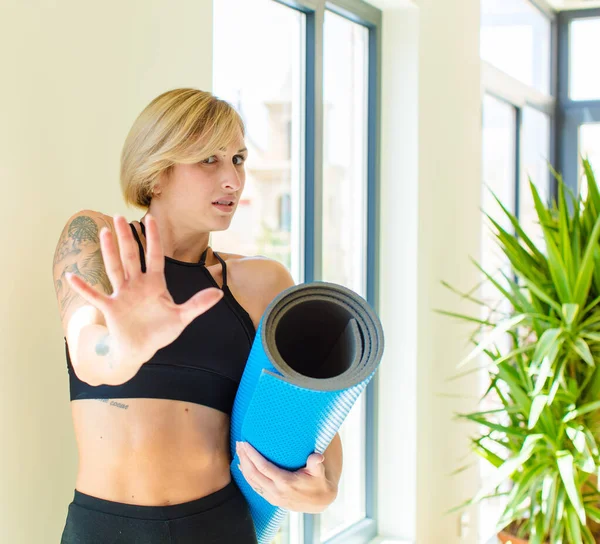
<point x="200" y="303"/>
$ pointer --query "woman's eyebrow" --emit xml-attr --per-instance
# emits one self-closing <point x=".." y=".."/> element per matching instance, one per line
<point x="240" y="151"/>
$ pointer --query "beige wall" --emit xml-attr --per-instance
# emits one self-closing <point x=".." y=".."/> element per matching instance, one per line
<point x="430" y="222"/>
<point x="74" y="76"/>
<point x="449" y="233"/>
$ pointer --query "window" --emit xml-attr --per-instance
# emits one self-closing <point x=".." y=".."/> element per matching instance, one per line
<point x="589" y="147"/>
<point x="584" y="79"/>
<point x="579" y="94"/>
<point x="515" y="37"/>
<point x="309" y="195"/>
<point x="517" y="124"/>
<point x="536" y="157"/>
<point x="272" y="107"/>
<point x="499" y="177"/>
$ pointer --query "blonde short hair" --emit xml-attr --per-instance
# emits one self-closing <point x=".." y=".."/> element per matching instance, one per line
<point x="179" y="126"/>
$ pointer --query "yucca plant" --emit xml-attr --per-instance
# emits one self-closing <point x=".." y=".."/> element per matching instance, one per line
<point x="543" y="438"/>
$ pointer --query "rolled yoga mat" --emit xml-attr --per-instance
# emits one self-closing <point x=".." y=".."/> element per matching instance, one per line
<point x="316" y="348"/>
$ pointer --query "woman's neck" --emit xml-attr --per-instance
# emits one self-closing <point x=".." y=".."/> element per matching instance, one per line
<point x="179" y="241"/>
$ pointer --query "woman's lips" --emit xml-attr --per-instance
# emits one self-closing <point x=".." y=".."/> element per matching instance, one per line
<point x="223" y="208"/>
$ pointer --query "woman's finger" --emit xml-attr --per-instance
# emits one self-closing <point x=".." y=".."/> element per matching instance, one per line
<point x="199" y="303"/>
<point x="155" y="258"/>
<point x="254" y="477"/>
<point x="271" y="471"/>
<point x="95" y="298"/>
<point x="112" y="261"/>
<point x="128" y="248"/>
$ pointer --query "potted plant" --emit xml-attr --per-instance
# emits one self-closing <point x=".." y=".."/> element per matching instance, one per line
<point x="543" y="437"/>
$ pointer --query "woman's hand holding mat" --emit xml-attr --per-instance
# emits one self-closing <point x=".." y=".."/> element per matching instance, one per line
<point x="316" y="348"/>
<point x="306" y="490"/>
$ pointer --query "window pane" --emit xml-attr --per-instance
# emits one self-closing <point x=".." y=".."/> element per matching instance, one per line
<point x="344" y="224"/>
<point x="589" y="146"/>
<point x="268" y="221"/>
<point x="536" y="150"/>
<point x="516" y="37"/>
<point x="584" y="78"/>
<point x="499" y="168"/>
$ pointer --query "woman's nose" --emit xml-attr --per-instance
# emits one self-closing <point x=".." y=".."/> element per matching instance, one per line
<point x="233" y="178"/>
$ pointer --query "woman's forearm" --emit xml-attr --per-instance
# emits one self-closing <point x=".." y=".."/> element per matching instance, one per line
<point x="94" y="359"/>
<point x="333" y="461"/>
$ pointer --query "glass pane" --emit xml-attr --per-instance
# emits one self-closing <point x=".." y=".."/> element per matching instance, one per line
<point x="589" y="146"/>
<point x="268" y="220"/>
<point x="499" y="169"/>
<point x="584" y="78"/>
<point x="516" y="37"/>
<point x="536" y="153"/>
<point x="344" y="224"/>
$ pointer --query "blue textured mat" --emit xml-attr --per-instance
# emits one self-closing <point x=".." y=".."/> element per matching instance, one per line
<point x="317" y="347"/>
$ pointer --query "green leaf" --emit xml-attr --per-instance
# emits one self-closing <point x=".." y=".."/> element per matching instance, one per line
<point x="520" y="232"/>
<point x="585" y="409"/>
<point x="557" y="524"/>
<point x="538" y="404"/>
<point x="488" y="455"/>
<point x="540" y="293"/>
<point x="547" y="365"/>
<point x="558" y="272"/>
<point x="523" y="486"/>
<point x="496" y="334"/>
<point x="567" y="473"/>
<point x="558" y="376"/>
<point x="537" y="535"/>
<point x="593" y="512"/>
<point x="584" y="278"/>
<point x="514" y="431"/>
<point x="544" y="345"/>
<point x="593" y="336"/>
<point x="577" y="437"/>
<point x="510" y="377"/>
<point x="583" y="350"/>
<point x="510" y="465"/>
<point x="565" y="241"/>
<point x="572" y="526"/>
<point x="588" y="538"/>
<point x="549" y="497"/>
<point x="569" y="312"/>
<point x="593" y="193"/>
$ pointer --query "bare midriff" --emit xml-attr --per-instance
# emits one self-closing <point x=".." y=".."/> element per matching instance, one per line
<point x="150" y="452"/>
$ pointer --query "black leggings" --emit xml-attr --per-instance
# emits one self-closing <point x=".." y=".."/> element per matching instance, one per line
<point x="222" y="517"/>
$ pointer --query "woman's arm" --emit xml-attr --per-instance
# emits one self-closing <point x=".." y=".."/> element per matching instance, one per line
<point x="333" y="462"/>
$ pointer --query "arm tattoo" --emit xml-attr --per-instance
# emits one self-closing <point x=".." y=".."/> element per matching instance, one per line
<point x="76" y="238"/>
<point x="103" y="349"/>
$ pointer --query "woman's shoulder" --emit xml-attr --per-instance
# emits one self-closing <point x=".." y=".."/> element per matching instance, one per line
<point x="254" y="263"/>
<point x="262" y="276"/>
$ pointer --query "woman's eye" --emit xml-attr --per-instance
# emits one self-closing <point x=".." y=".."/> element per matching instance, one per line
<point x="210" y="160"/>
<point x="238" y="159"/>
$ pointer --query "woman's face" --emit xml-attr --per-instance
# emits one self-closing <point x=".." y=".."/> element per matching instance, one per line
<point x="195" y="190"/>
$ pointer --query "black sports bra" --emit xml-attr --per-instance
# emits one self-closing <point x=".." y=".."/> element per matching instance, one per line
<point x="205" y="363"/>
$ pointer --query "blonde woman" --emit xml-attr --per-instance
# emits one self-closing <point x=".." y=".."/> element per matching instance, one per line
<point x="158" y="327"/>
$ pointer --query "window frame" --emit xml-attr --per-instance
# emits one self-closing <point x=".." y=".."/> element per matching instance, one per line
<point x="508" y="89"/>
<point x="571" y="114"/>
<point x="362" y="13"/>
<point x="518" y="95"/>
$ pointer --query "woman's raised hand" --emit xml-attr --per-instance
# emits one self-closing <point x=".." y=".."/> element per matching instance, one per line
<point x="140" y="314"/>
